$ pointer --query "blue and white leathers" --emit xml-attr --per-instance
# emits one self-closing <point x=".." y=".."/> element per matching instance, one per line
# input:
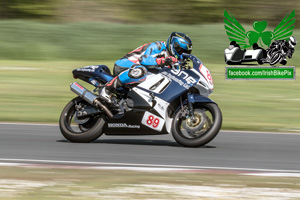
<point x="132" y="68"/>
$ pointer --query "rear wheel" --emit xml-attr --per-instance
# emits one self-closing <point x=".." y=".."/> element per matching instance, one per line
<point x="200" y="131"/>
<point x="82" y="130"/>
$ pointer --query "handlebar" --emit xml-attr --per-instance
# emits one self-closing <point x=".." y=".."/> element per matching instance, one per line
<point x="183" y="61"/>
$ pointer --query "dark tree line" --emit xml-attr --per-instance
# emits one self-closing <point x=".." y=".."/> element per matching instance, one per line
<point x="17" y="9"/>
<point x="145" y="11"/>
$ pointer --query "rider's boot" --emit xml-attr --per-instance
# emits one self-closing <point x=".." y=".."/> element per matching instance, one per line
<point x="106" y="92"/>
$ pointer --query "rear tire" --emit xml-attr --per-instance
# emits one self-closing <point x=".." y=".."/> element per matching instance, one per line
<point x="189" y="136"/>
<point x="89" y="130"/>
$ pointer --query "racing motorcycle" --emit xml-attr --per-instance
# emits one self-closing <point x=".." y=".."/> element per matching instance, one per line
<point x="276" y="55"/>
<point x="170" y="101"/>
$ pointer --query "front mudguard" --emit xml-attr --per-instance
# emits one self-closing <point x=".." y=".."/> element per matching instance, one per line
<point x="197" y="98"/>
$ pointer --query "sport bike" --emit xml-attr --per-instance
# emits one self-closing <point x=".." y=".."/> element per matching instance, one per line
<point x="276" y="55"/>
<point x="170" y="101"/>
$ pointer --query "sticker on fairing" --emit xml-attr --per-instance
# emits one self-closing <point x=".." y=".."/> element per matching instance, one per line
<point x="153" y="121"/>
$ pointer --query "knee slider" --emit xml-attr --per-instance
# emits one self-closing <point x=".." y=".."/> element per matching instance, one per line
<point x="137" y="72"/>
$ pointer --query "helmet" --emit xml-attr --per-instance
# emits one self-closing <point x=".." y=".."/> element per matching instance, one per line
<point x="179" y="43"/>
<point x="292" y="41"/>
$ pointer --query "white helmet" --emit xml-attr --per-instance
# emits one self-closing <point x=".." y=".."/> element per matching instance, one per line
<point x="292" y="41"/>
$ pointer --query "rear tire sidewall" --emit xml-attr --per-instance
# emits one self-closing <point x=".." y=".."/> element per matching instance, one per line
<point x="206" y="137"/>
<point x="85" y="137"/>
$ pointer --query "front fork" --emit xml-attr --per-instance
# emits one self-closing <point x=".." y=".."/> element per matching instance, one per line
<point x="190" y="99"/>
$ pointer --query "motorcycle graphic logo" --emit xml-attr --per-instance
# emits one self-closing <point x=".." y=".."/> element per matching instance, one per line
<point x="267" y="46"/>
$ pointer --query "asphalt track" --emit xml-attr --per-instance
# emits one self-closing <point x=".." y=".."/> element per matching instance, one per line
<point x="229" y="150"/>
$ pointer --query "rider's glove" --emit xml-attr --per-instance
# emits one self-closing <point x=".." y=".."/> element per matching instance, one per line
<point x="170" y="60"/>
<point x="161" y="62"/>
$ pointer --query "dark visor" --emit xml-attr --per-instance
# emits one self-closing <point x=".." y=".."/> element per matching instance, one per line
<point x="180" y="50"/>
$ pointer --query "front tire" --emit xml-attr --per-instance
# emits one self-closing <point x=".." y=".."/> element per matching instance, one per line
<point x="80" y="131"/>
<point x="207" y="124"/>
<point x="275" y="59"/>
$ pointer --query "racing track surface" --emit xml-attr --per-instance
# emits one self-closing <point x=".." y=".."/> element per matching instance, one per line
<point x="228" y="150"/>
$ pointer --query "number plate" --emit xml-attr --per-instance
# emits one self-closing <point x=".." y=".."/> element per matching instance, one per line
<point x="153" y="121"/>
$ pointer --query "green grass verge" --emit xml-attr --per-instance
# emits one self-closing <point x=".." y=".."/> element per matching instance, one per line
<point x="28" y="40"/>
<point x="37" y="91"/>
<point x="50" y="183"/>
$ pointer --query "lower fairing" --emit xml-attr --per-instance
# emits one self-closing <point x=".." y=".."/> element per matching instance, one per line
<point x="131" y="124"/>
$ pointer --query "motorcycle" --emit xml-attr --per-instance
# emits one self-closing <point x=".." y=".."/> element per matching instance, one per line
<point x="276" y="55"/>
<point x="170" y="101"/>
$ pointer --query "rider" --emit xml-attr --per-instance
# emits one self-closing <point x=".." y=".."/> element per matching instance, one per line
<point x="132" y="68"/>
<point x="287" y="46"/>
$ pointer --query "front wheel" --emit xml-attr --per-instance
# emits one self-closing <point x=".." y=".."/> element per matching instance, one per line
<point x="81" y="130"/>
<point x="199" y="131"/>
<point x="275" y="58"/>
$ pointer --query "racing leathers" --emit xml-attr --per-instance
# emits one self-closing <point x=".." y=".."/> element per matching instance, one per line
<point x="132" y="68"/>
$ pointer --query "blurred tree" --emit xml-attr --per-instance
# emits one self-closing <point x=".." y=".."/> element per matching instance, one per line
<point x="273" y="11"/>
<point x="27" y="9"/>
<point x="204" y="11"/>
<point x="174" y="11"/>
<point x="155" y="11"/>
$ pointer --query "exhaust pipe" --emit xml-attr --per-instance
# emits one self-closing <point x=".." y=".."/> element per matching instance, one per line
<point x="89" y="97"/>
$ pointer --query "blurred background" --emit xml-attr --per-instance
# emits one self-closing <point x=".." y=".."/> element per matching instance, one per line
<point x="42" y="41"/>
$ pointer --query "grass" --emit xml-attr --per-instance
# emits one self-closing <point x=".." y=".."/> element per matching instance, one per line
<point x="27" y="40"/>
<point x="36" y="61"/>
<point x="24" y="183"/>
<point x="257" y="105"/>
<point x="37" y="94"/>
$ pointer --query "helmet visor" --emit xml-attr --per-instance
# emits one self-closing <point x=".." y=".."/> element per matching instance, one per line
<point x="180" y="50"/>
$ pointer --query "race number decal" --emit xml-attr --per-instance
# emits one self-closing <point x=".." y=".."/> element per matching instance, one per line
<point x="208" y="75"/>
<point x="153" y="121"/>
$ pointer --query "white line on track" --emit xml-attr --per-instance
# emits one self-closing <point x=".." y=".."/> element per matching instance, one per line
<point x="19" y="68"/>
<point x="293" y="99"/>
<point x="261" y="132"/>
<point x="132" y="165"/>
<point x="26" y="124"/>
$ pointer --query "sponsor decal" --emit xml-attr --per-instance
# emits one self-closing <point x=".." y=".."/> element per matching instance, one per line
<point x="91" y="68"/>
<point x="160" y="106"/>
<point x="178" y="75"/>
<point x="122" y="125"/>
